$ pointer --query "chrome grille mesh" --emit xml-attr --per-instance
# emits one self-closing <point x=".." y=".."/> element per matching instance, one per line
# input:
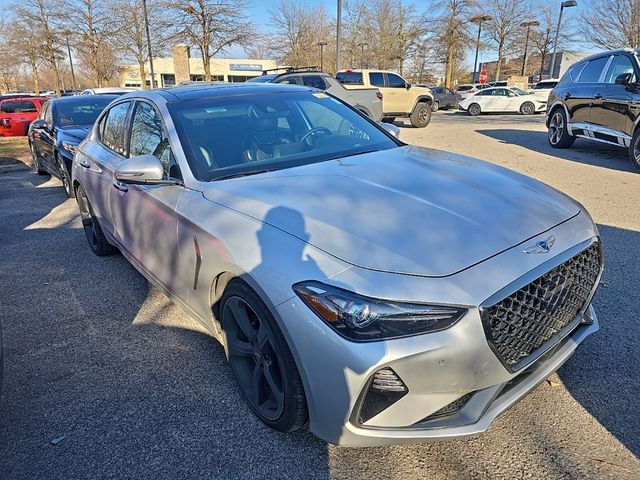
<point x="524" y="321"/>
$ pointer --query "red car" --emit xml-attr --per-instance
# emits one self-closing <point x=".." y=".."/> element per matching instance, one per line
<point x="17" y="113"/>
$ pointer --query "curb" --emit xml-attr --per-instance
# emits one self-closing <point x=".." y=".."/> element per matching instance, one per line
<point x="18" y="167"/>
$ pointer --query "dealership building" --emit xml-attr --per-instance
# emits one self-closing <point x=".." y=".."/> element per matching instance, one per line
<point x="182" y="67"/>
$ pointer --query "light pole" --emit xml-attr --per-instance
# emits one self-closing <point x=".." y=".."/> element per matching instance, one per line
<point x="73" y="75"/>
<point x="338" y="34"/>
<point x="478" y="19"/>
<point x="563" y="5"/>
<point x="322" y="45"/>
<point x="362" y="45"/>
<point x="528" y="25"/>
<point x="146" y="25"/>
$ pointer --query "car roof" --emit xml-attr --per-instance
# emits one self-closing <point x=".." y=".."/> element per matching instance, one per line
<point x="194" y="92"/>
<point x="26" y="97"/>
<point x="608" y="53"/>
<point x="82" y="98"/>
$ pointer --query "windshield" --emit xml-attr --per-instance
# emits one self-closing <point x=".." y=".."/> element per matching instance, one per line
<point x="245" y="134"/>
<point x="519" y="91"/>
<point x="81" y="110"/>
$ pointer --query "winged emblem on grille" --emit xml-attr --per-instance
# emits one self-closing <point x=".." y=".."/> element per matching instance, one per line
<point x="542" y="246"/>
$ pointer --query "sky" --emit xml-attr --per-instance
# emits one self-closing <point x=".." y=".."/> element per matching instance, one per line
<point x="259" y="11"/>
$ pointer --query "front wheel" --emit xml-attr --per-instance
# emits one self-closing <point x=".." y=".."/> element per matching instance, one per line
<point x="557" y="133"/>
<point x="436" y="106"/>
<point x="421" y="115"/>
<point x="634" y="150"/>
<point x="261" y="360"/>
<point x="96" y="237"/>
<point x="474" y="110"/>
<point x="527" y="108"/>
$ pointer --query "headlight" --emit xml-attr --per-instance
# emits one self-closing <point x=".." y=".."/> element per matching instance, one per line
<point x="363" y="319"/>
<point x="70" y="147"/>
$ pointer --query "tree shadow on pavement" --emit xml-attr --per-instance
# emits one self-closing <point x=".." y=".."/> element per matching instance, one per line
<point x="603" y="373"/>
<point x="583" y="151"/>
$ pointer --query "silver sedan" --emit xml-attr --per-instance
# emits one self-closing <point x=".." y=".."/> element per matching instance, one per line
<point x="382" y="293"/>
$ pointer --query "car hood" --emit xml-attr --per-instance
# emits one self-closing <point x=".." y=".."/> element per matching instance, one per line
<point x="76" y="133"/>
<point x="406" y="210"/>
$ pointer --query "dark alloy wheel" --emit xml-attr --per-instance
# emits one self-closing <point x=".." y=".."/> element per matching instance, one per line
<point x="527" y="108"/>
<point x="65" y="178"/>
<point x="95" y="236"/>
<point x="421" y="115"/>
<point x="474" y="109"/>
<point x="261" y="360"/>
<point x="557" y="133"/>
<point x="634" y="150"/>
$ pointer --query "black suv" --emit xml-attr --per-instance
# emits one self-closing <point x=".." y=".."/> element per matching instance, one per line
<point x="598" y="98"/>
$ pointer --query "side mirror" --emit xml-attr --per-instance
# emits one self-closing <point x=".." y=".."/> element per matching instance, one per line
<point x="624" y="79"/>
<point x="407" y="86"/>
<point x="39" y="123"/>
<point x="139" y="170"/>
<point x="391" y="129"/>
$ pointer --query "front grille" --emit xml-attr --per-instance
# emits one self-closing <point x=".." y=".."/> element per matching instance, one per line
<point x="526" y="320"/>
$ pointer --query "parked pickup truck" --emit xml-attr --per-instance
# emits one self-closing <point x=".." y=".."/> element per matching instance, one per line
<point x="399" y="97"/>
<point x="368" y="101"/>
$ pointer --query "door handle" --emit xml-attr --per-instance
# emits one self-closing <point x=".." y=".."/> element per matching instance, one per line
<point x="120" y="186"/>
<point x="597" y="96"/>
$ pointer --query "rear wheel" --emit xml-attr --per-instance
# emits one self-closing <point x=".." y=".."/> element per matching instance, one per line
<point x="261" y="360"/>
<point x="474" y="110"/>
<point x="421" y="115"/>
<point x="634" y="150"/>
<point x="95" y="236"/>
<point x="527" y="108"/>
<point x="557" y="133"/>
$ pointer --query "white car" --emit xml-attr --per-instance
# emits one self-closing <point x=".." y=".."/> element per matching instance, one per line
<point x="503" y="99"/>
<point x="109" y="90"/>
<point x="543" y="88"/>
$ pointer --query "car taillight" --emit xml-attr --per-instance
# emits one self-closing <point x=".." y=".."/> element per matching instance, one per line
<point x="5" y="122"/>
<point x="379" y="95"/>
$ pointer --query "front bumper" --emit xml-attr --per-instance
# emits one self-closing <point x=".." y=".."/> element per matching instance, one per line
<point x="438" y="368"/>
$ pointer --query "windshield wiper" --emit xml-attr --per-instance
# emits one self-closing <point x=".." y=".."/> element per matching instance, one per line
<point x="241" y="174"/>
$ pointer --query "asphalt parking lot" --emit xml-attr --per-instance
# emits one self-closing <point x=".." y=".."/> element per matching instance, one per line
<point x="106" y="378"/>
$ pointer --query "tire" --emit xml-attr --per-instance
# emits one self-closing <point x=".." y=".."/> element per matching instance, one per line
<point x="388" y="119"/>
<point x="474" y="110"/>
<point x="527" y="108"/>
<point x="261" y="360"/>
<point x="557" y="133"/>
<point x="421" y="115"/>
<point x="634" y="150"/>
<point x="436" y="106"/>
<point x="36" y="162"/>
<point x="65" y="178"/>
<point x="95" y="236"/>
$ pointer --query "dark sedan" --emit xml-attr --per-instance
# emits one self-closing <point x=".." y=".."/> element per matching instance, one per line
<point x="444" y="98"/>
<point x="61" y="126"/>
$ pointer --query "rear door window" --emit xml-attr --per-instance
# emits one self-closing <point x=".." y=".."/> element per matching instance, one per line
<point x="349" y="78"/>
<point x="593" y="70"/>
<point x="376" y="79"/>
<point x="315" y="81"/>
<point x="620" y="65"/>
<point x="115" y="128"/>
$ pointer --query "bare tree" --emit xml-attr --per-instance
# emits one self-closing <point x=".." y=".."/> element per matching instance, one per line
<point x="212" y="26"/>
<point x="24" y="46"/>
<point x="543" y="36"/>
<point x="612" y="24"/>
<point x="453" y="34"/>
<point x="503" y="30"/>
<point x="45" y="18"/>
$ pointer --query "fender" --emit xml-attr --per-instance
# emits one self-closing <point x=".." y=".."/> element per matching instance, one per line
<point x="551" y="107"/>
<point x="422" y="98"/>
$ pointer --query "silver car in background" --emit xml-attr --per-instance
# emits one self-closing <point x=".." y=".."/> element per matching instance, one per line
<point x="382" y="292"/>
